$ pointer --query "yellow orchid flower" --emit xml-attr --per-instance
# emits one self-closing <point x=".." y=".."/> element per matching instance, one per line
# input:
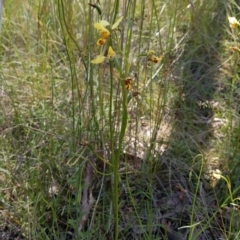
<point x="151" y="52"/>
<point x="104" y="23"/>
<point x="234" y="49"/>
<point x="103" y="31"/>
<point x="233" y="22"/>
<point x="128" y="82"/>
<point x="101" y="58"/>
<point x="111" y="53"/>
<point x="101" y="41"/>
<point x="101" y="26"/>
<point x="155" y="59"/>
<point x="98" y="59"/>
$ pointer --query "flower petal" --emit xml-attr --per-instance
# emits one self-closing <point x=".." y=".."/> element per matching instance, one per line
<point x="155" y="59"/>
<point x="151" y="52"/>
<point x="233" y="22"/>
<point x="101" y="41"/>
<point x="116" y="24"/>
<point x="104" y="23"/>
<point x="104" y="32"/>
<point x="111" y="53"/>
<point x="128" y="82"/>
<point x="98" y="59"/>
<point x="100" y="27"/>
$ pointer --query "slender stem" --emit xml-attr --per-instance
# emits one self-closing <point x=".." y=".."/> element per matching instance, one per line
<point x="116" y="7"/>
<point x="71" y="63"/>
<point x="114" y="160"/>
<point x="195" y="197"/>
<point x="115" y="155"/>
<point x="1" y="5"/>
<point x="124" y="122"/>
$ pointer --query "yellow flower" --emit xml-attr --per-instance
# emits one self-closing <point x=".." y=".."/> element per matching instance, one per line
<point x="104" y="23"/>
<point x="234" y="49"/>
<point x="233" y="22"/>
<point x="101" y="58"/>
<point x="98" y="59"/>
<point x="151" y="52"/>
<point x="155" y="59"/>
<point x="101" y="41"/>
<point x="101" y="27"/>
<point x="128" y="82"/>
<point x="111" y="53"/>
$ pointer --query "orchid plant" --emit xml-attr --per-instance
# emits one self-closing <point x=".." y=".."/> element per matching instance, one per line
<point x="105" y="33"/>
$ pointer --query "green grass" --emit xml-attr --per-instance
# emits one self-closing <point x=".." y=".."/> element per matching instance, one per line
<point x="83" y="157"/>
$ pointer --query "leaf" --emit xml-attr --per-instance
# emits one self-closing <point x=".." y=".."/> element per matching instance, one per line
<point x="96" y="7"/>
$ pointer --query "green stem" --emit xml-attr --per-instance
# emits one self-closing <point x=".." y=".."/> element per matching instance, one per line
<point x="64" y="29"/>
<point x="195" y="197"/>
<point x="116" y="7"/>
<point x="114" y="160"/>
<point x="115" y="156"/>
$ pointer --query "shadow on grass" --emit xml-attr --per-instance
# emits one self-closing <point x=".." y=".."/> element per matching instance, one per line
<point x="198" y="84"/>
<point x="192" y="138"/>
